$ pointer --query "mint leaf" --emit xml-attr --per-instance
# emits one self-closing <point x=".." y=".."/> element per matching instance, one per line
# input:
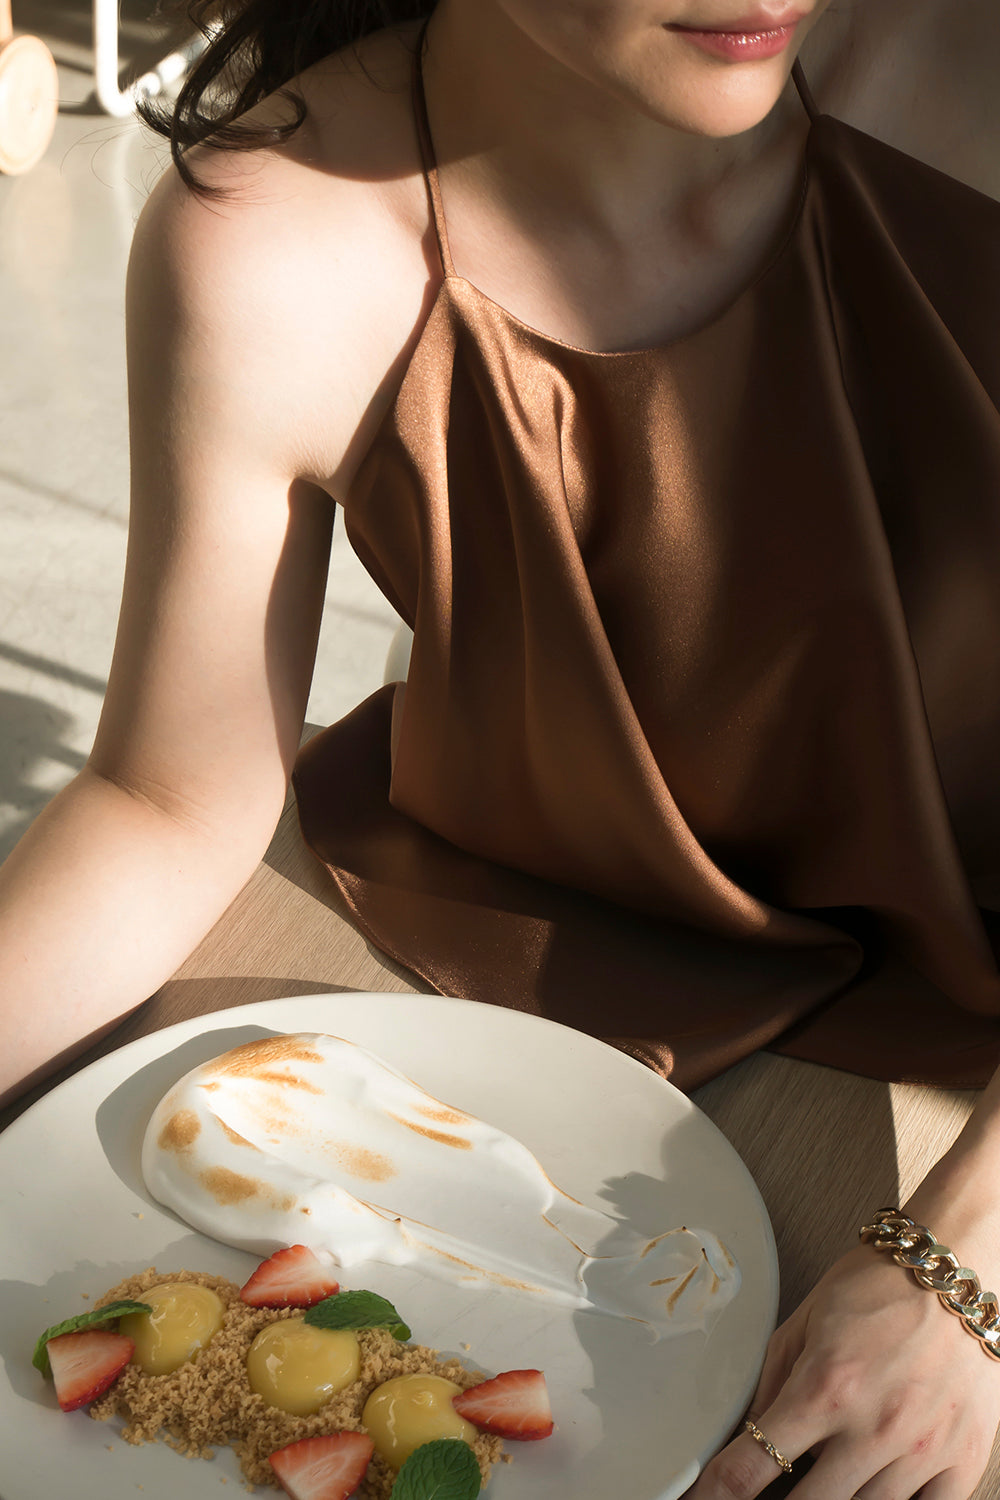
<point x="443" y="1470"/>
<point x="94" y="1318"/>
<point x="357" y="1310"/>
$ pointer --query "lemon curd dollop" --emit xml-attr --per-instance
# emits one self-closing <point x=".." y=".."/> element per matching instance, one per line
<point x="184" y="1317"/>
<point x="410" y="1410"/>
<point x="297" y="1367"/>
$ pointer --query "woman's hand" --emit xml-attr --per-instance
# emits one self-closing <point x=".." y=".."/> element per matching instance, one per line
<point x="880" y="1381"/>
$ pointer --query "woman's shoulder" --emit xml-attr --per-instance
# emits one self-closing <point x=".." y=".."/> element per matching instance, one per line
<point x="311" y="256"/>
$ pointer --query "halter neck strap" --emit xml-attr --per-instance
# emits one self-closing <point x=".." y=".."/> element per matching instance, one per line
<point x="805" y="92"/>
<point x="428" y="158"/>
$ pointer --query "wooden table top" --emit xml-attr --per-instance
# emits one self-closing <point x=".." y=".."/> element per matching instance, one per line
<point x="826" y="1148"/>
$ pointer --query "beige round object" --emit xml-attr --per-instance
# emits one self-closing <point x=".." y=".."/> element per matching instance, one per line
<point x="404" y="1413"/>
<point x="29" y="103"/>
<point x="298" y="1367"/>
<point x="183" y="1318"/>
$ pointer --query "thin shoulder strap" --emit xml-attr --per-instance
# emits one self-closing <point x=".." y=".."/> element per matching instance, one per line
<point x="428" y="158"/>
<point x="805" y="93"/>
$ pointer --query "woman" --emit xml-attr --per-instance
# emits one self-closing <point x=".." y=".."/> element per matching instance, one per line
<point x="661" y="308"/>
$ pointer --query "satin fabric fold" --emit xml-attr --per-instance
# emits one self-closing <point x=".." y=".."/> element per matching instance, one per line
<point x="698" y="746"/>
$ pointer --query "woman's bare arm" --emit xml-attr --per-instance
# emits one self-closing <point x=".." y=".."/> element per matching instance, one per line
<point x="267" y="332"/>
<point x="132" y="863"/>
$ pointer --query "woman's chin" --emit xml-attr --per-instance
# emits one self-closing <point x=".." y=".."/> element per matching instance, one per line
<point x="714" y="114"/>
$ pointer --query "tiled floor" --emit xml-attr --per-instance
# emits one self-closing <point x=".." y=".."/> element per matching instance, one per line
<point x="65" y="230"/>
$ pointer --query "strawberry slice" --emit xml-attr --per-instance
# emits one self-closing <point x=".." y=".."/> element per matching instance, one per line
<point x="84" y="1364"/>
<point x="291" y="1278"/>
<point x="323" y="1468"/>
<point x="512" y="1405"/>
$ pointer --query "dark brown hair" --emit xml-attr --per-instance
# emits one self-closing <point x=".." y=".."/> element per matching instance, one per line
<point x="255" y="47"/>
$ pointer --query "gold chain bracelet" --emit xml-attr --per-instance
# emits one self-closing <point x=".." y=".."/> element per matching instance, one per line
<point x="938" y="1269"/>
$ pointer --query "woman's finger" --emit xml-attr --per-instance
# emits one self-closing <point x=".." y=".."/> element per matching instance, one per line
<point x="841" y="1472"/>
<point x="741" y="1471"/>
<point x="951" y="1485"/>
<point x="745" y="1467"/>
<point x="900" y="1481"/>
<point x="782" y="1352"/>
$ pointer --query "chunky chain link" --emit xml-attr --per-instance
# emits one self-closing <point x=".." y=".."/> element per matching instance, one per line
<point x="939" y="1270"/>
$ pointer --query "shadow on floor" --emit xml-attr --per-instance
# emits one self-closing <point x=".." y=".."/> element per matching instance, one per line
<point x="31" y="733"/>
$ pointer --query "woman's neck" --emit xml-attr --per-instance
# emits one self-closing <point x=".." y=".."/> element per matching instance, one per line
<point x="553" y="146"/>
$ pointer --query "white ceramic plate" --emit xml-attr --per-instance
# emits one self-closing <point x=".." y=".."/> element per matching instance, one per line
<point x="634" y="1418"/>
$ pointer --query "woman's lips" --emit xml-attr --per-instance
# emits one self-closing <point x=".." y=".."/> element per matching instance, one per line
<point x="741" y="41"/>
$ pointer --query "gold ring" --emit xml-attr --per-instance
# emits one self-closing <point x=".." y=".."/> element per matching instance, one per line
<point x="768" y="1447"/>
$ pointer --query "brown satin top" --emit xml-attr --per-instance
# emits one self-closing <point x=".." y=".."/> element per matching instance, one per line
<point x="699" y="746"/>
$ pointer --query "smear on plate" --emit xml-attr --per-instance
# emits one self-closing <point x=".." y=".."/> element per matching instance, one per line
<point x="314" y="1140"/>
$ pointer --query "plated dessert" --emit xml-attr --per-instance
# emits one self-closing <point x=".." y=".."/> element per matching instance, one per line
<point x="316" y="1389"/>
<point x="314" y="1152"/>
<point x="629" y="1409"/>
